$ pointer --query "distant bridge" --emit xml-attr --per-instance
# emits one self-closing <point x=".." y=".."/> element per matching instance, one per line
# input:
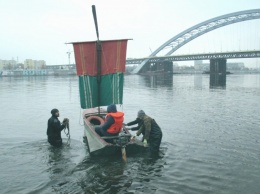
<point x="204" y="56"/>
<point x="195" y="31"/>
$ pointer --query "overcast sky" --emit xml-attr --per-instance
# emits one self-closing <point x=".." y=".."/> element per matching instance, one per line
<point x="39" y="29"/>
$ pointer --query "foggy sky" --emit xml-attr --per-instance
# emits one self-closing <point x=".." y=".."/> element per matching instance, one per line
<point x="39" y="29"/>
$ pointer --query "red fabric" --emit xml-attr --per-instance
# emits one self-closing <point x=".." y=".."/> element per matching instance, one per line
<point x="113" y="57"/>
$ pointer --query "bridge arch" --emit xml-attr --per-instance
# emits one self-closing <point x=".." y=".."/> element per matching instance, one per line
<point x="195" y="31"/>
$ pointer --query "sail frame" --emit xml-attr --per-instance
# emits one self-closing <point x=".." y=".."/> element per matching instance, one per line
<point x="104" y="86"/>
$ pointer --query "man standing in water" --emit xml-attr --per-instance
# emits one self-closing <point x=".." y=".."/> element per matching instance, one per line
<point x="151" y="130"/>
<point x="55" y="127"/>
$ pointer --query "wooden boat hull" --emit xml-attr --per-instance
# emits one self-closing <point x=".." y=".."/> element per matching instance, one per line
<point x="107" y="145"/>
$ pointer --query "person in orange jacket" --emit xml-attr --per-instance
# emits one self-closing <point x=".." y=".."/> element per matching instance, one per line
<point x="113" y="122"/>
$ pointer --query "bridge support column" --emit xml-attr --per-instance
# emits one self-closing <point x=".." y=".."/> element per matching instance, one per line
<point x="218" y="72"/>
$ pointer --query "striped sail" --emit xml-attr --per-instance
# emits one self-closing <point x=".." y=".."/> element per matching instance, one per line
<point x="113" y="57"/>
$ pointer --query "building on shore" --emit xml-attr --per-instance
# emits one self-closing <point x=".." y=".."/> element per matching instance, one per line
<point x="34" y="64"/>
<point x="35" y="68"/>
<point x="7" y="64"/>
<point x="28" y="64"/>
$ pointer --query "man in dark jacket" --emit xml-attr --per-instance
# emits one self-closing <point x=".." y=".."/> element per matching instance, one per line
<point x="55" y="127"/>
<point x="151" y="130"/>
<point x="113" y="122"/>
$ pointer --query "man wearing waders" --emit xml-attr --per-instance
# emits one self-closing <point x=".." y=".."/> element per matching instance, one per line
<point x="152" y="132"/>
<point x="55" y="127"/>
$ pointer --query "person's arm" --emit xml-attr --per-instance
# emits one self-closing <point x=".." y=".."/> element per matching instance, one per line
<point x="62" y="127"/>
<point x="140" y="130"/>
<point x="134" y="128"/>
<point x="64" y="123"/>
<point x="136" y="121"/>
<point x="110" y="120"/>
<point x="59" y="126"/>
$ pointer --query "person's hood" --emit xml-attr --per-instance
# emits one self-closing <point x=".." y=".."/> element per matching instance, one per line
<point x="54" y="111"/>
<point x="140" y="114"/>
<point x="111" y="108"/>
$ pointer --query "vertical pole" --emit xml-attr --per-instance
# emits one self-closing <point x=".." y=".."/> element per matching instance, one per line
<point x="69" y="56"/>
<point x="98" y="47"/>
<point x="99" y="72"/>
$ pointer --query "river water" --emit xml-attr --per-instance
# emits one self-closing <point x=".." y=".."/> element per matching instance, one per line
<point x="211" y="137"/>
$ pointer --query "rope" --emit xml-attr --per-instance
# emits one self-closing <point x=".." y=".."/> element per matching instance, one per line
<point x="80" y="114"/>
<point x="67" y="126"/>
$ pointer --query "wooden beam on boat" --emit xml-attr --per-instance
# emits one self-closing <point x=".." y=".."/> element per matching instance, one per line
<point x="115" y="137"/>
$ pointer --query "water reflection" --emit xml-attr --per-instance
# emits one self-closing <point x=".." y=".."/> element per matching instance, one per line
<point x="154" y="81"/>
<point x="217" y="80"/>
<point x="100" y="174"/>
<point x="58" y="162"/>
<point x="55" y="157"/>
<point x="60" y="165"/>
<point x="198" y="81"/>
<point x="111" y="175"/>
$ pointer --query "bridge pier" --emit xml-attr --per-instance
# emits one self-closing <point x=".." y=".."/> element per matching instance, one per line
<point x="158" y="67"/>
<point x="218" y="72"/>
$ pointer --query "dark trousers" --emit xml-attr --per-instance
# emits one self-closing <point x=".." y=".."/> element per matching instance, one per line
<point x="55" y="142"/>
<point x="102" y="132"/>
<point x="154" y="144"/>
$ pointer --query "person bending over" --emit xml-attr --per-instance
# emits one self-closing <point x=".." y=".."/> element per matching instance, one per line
<point x="151" y="130"/>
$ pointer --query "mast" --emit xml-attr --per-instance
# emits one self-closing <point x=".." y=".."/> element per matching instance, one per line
<point x="99" y="49"/>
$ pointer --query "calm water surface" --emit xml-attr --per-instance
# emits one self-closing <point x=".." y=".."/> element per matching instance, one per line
<point x="211" y="137"/>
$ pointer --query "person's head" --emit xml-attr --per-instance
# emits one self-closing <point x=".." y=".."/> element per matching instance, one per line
<point x="55" y="112"/>
<point x="111" y="108"/>
<point x="140" y="114"/>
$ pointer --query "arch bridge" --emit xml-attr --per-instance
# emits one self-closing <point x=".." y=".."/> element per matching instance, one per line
<point x="195" y="31"/>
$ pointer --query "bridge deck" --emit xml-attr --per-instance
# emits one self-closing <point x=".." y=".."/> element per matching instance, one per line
<point x="203" y="56"/>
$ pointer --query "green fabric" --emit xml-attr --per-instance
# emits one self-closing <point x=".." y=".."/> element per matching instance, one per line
<point x="111" y="90"/>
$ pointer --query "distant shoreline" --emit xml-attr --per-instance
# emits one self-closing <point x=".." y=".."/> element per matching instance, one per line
<point x="37" y="72"/>
<point x="72" y="72"/>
